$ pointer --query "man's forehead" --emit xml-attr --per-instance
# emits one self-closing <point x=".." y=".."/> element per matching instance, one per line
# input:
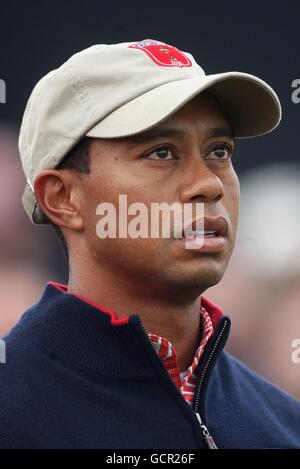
<point x="163" y="131"/>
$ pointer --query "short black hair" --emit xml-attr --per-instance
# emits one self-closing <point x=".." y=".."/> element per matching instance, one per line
<point x="77" y="159"/>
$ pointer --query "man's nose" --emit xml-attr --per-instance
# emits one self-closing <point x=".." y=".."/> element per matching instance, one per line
<point x="200" y="184"/>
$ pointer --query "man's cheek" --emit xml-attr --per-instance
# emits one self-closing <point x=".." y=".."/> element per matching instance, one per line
<point x="233" y="198"/>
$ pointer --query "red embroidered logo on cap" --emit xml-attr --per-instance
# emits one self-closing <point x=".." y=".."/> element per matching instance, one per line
<point x="163" y="54"/>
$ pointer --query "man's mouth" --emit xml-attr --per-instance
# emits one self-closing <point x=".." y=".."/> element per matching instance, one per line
<point x="204" y="233"/>
<point x="210" y="240"/>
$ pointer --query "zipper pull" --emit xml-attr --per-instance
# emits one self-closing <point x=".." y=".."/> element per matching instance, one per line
<point x="210" y="442"/>
<point x="208" y="438"/>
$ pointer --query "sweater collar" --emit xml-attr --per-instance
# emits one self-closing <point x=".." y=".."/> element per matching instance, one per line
<point x="214" y="312"/>
<point x="93" y="337"/>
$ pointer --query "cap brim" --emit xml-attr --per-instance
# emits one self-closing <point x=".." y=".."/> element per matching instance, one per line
<point x="250" y="104"/>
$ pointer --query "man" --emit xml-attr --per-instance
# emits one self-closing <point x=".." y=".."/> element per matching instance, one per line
<point x="130" y="353"/>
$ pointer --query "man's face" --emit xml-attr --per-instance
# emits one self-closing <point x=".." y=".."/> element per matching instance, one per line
<point x="186" y="159"/>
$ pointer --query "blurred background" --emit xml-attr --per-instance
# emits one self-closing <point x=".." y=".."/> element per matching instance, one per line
<point x="261" y="287"/>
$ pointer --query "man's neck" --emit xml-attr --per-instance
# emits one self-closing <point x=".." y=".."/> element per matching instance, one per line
<point x="179" y="322"/>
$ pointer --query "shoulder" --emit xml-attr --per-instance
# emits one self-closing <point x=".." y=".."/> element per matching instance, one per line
<point x="261" y="415"/>
<point x="252" y="398"/>
<point x="238" y="370"/>
<point x="7" y="435"/>
<point x="23" y="377"/>
<point x="235" y="371"/>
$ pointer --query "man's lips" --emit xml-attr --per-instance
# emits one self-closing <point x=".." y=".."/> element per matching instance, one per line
<point x="218" y="225"/>
<point x="211" y="238"/>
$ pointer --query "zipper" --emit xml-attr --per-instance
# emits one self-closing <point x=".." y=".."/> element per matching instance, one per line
<point x="146" y="334"/>
<point x="207" y="436"/>
<point x="205" y="432"/>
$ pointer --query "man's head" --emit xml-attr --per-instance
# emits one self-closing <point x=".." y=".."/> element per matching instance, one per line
<point x="187" y="159"/>
<point x="164" y="133"/>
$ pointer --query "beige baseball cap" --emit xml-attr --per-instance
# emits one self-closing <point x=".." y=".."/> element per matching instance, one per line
<point x="117" y="90"/>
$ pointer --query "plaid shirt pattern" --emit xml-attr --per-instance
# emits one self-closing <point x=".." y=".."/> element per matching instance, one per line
<point x="167" y="353"/>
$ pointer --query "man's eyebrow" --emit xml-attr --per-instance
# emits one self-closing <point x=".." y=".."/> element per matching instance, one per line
<point x="155" y="134"/>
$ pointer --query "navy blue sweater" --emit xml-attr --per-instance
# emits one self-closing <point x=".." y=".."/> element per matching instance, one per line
<point x="76" y="378"/>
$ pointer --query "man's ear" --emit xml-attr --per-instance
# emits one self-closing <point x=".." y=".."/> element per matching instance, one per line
<point x="58" y="195"/>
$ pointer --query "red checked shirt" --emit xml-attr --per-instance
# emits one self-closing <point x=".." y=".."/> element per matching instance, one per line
<point x="186" y="381"/>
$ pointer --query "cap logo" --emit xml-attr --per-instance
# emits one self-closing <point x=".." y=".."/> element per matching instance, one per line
<point x="162" y="54"/>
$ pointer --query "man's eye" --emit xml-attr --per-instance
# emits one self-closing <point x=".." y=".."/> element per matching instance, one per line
<point x="161" y="153"/>
<point x="221" y="152"/>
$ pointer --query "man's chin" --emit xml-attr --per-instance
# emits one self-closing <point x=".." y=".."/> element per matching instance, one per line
<point x="193" y="282"/>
